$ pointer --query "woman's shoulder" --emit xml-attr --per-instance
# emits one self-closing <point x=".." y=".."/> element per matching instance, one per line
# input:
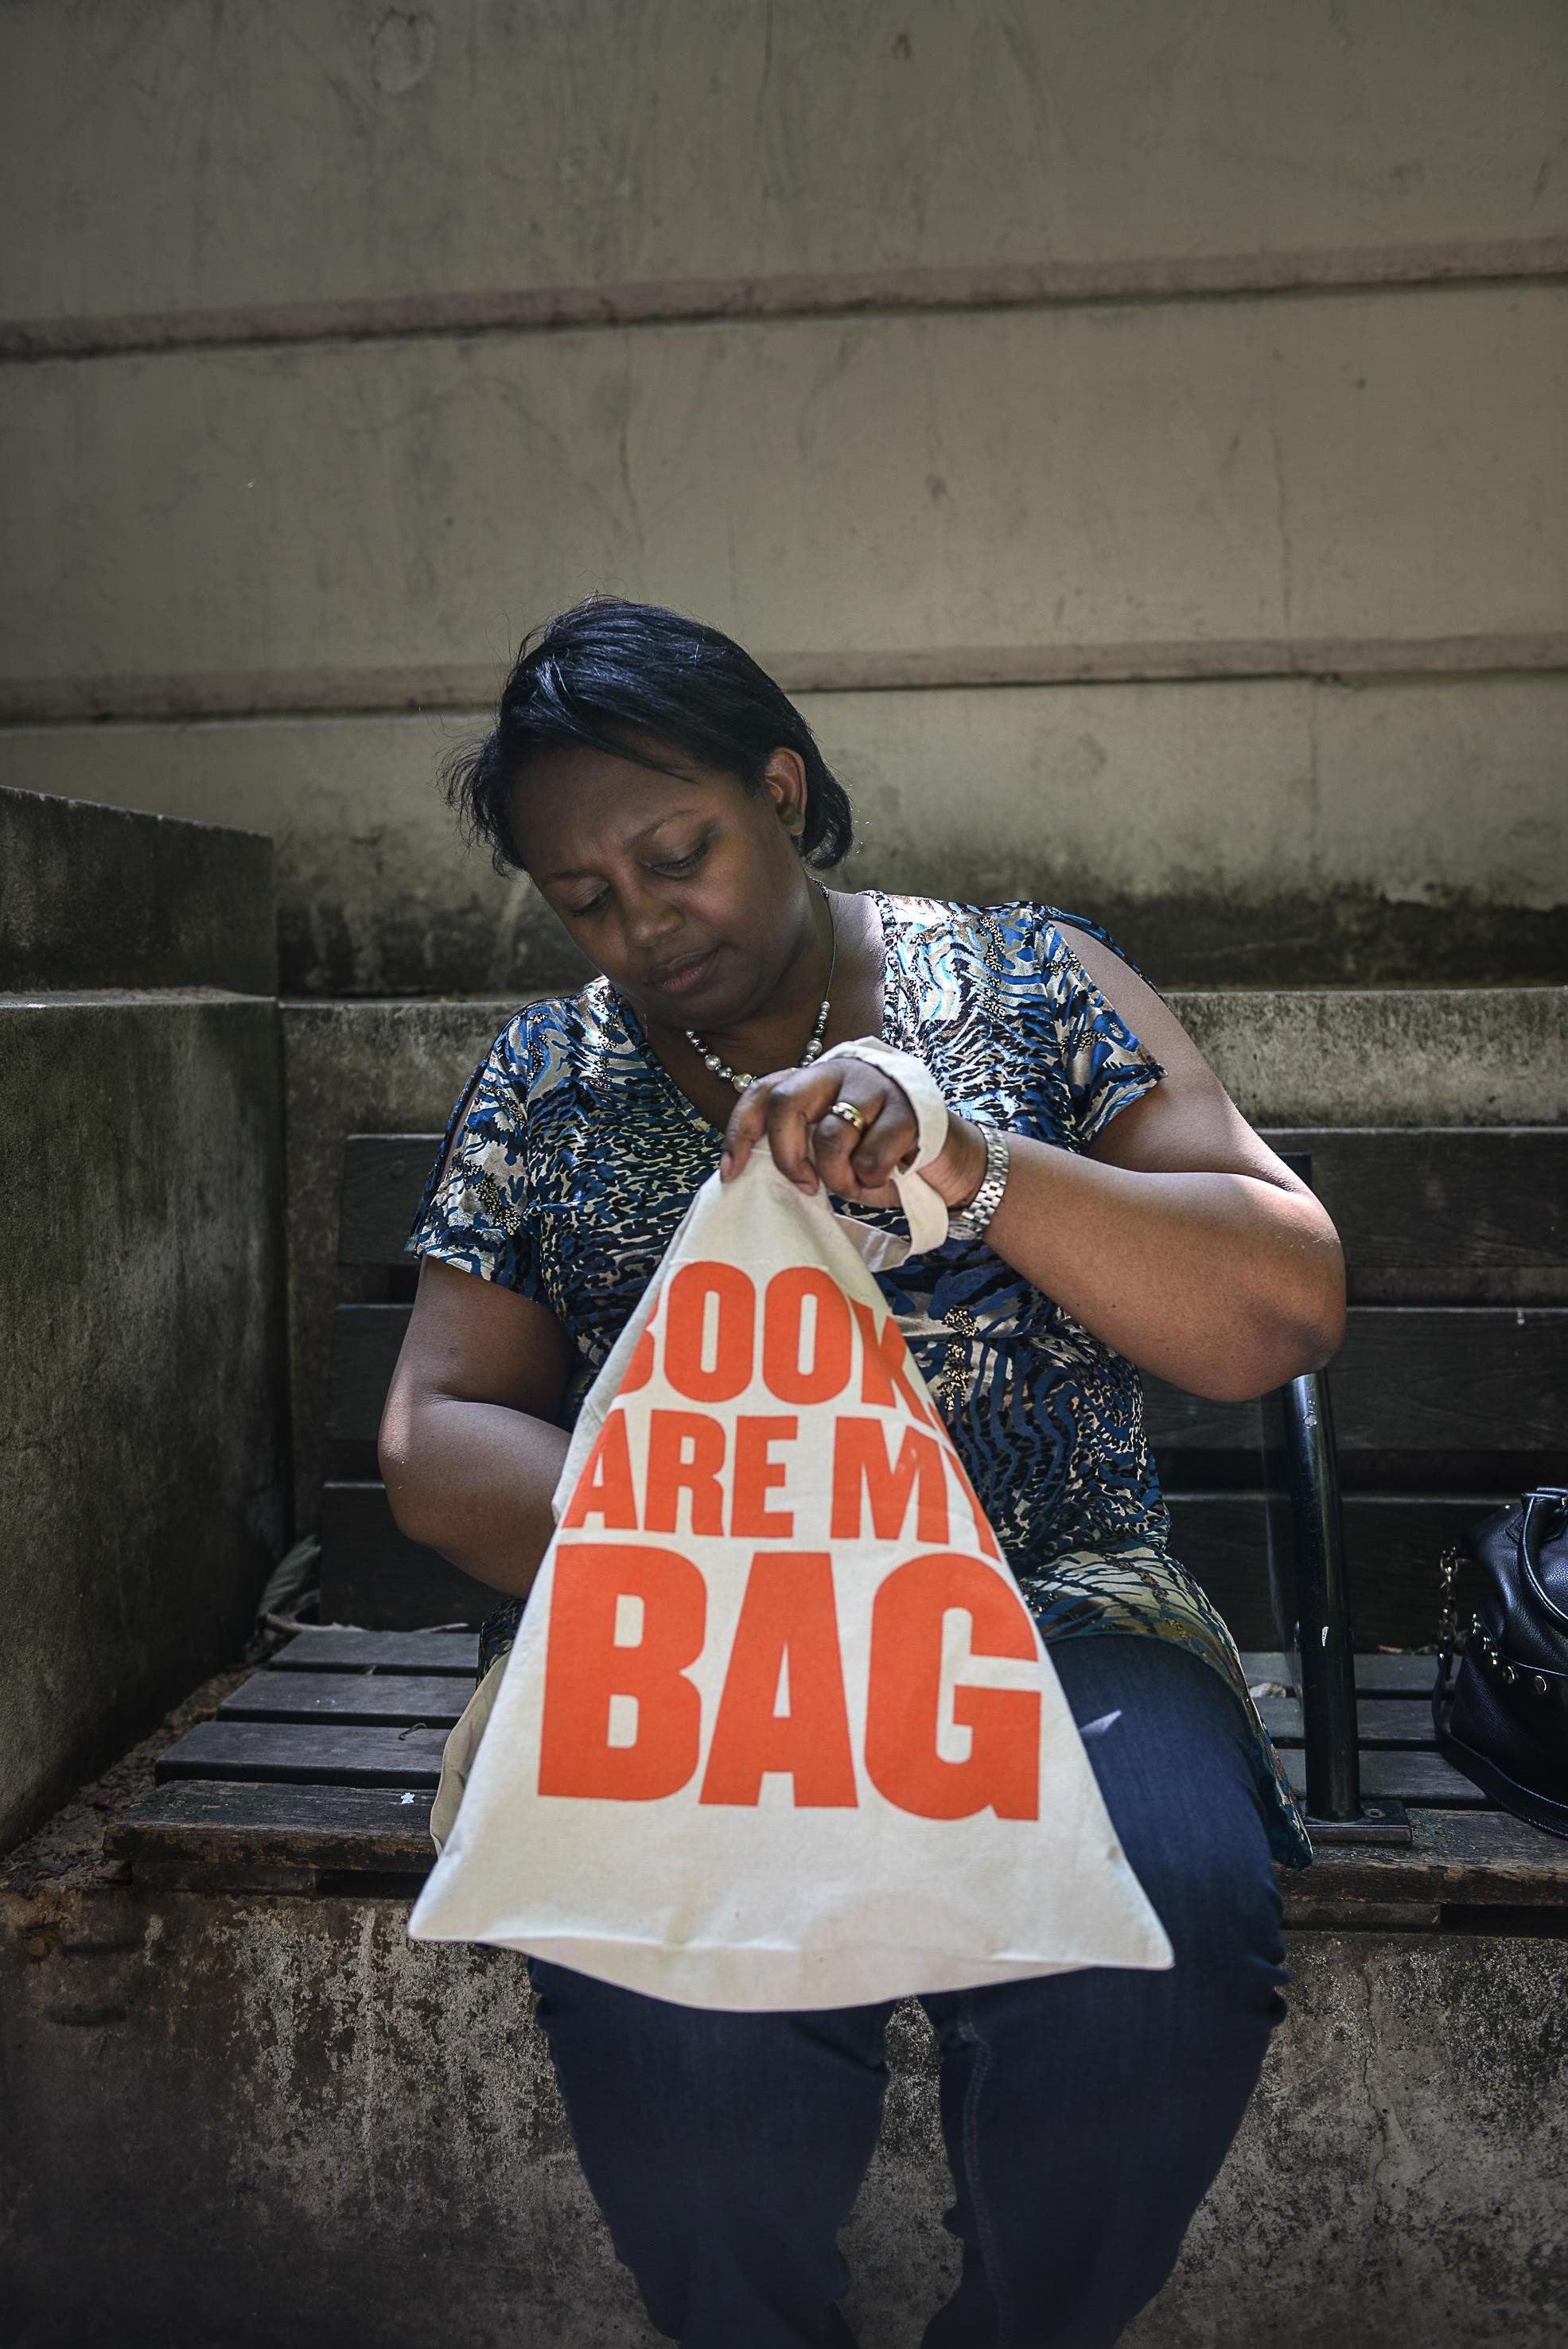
<point x="1027" y="930"/>
<point x="547" y="1042"/>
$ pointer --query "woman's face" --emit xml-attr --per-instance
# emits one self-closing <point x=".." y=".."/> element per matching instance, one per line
<point x="685" y="889"/>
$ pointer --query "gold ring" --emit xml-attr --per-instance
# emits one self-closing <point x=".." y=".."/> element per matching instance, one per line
<point x="849" y="1113"/>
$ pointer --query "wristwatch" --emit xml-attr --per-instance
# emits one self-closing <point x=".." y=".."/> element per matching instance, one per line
<point x="971" y="1223"/>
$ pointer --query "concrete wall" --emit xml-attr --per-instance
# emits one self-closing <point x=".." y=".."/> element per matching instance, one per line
<point x="142" y="1410"/>
<point x="330" y="2132"/>
<point x="490" y="145"/>
<point x="1136" y="428"/>
<point x="91" y="893"/>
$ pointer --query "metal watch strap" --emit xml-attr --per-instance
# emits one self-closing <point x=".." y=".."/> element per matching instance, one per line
<point x="971" y="1223"/>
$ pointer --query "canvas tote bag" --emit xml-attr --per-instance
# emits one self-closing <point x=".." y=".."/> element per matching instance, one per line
<point x="777" y="1730"/>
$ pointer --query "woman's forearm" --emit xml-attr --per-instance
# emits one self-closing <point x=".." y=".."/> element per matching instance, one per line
<point x="473" y="1480"/>
<point x="1224" y="1281"/>
<point x="1224" y="1284"/>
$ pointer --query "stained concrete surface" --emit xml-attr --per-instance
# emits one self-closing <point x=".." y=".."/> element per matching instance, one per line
<point x="1286" y="831"/>
<point x="269" y="2121"/>
<point x="1386" y="1056"/>
<point x="456" y="147"/>
<point x="1427" y="1056"/>
<point x="102" y="897"/>
<point x="1088" y="481"/>
<point x="142" y="1420"/>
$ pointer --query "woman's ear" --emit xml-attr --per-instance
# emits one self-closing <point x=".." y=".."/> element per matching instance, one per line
<point x="784" y="778"/>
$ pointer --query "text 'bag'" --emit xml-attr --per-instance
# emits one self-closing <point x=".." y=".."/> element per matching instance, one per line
<point x="778" y="1730"/>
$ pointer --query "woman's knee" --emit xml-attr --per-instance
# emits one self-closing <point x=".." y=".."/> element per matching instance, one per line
<point x="1228" y="1974"/>
<point x="1169" y="1745"/>
<point x="1208" y="1876"/>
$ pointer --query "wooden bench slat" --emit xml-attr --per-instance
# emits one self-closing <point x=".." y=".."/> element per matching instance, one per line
<point x="1417" y="1379"/>
<point x="1407" y="1778"/>
<point x="1393" y="1543"/>
<point x="373" y="1574"/>
<point x="383" y="1176"/>
<point x="322" y="1754"/>
<point x="308" y="1752"/>
<point x="1434" y="1214"/>
<point x="1396" y="1714"/>
<point x="366" y="1341"/>
<point x="1427" y="1214"/>
<point x="1411" y="1378"/>
<point x="331" y="1647"/>
<point x="1374" y="1675"/>
<point x="407" y="1700"/>
<point x="222" y="1823"/>
<point x="1473" y="1858"/>
<point x="391" y="1699"/>
<point x="1381" y="1721"/>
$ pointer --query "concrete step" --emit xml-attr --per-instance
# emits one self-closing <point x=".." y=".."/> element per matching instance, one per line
<point x="142" y="1361"/>
<point x="95" y="897"/>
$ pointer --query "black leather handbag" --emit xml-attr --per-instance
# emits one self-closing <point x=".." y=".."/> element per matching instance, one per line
<point x="1500" y="1713"/>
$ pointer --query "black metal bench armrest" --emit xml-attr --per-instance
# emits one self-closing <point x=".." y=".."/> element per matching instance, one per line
<point x="1298" y="1437"/>
<point x="1304" y="1448"/>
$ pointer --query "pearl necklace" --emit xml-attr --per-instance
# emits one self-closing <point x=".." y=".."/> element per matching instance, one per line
<point x="740" y="1078"/>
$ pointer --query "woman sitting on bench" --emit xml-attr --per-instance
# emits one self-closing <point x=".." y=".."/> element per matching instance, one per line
<point x="1113" y="1212"/>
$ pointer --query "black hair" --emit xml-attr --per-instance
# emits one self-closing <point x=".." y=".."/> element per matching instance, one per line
<point x="640" y="682"/>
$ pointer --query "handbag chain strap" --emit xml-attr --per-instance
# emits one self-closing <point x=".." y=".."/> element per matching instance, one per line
<point x="1449" y="1636"/>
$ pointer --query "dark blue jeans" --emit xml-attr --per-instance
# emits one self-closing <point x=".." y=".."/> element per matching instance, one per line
<point x="1085" y="2114"/>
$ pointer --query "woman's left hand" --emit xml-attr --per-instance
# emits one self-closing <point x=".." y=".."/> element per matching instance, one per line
<point x="790" y="1111"/>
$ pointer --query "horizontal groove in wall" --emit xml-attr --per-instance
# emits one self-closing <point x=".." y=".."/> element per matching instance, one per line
<point x="471" y="686"/>
<point x="822" y="293"/>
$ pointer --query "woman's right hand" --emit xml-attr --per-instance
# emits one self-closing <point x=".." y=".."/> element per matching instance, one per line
<point x="791" y="1111"/>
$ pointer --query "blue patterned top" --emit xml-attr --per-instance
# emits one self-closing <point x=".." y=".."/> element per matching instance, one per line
<point x="572" y="1155"/>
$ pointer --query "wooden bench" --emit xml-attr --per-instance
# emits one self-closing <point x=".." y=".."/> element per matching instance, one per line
<point x="1451" y="1394"/>
<point x="318" y="1773"/>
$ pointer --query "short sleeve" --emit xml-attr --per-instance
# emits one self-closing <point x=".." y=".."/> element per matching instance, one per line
<point x="474" y="1213"/>
<point x="1104" y="1065"/>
